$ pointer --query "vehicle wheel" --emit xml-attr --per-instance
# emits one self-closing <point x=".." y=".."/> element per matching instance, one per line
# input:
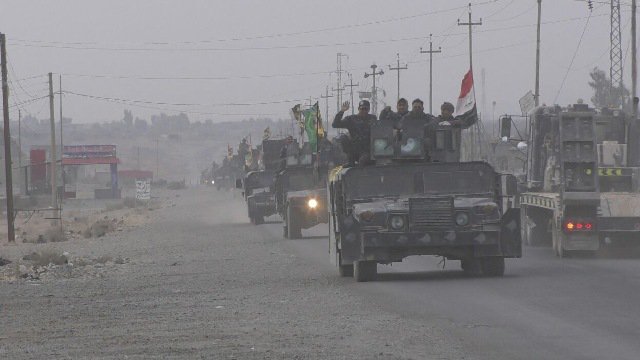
<point x="558" y="249"/>
<point x="471" y="267"/>
<point x="493" y="266"/>
<point x="365" y="270"/>
<point x="294" y="229"/>
<point x="345" y="270"/>
<point x="258" y="219"/>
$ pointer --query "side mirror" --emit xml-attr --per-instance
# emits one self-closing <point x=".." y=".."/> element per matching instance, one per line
<point x="238" y="183"/>
<point x="505" y="127"/>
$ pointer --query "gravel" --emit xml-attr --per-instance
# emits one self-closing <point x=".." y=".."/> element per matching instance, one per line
<point x="198" y="281"/>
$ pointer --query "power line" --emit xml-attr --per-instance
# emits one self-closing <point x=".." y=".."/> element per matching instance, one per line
<point x="277" y="35"/>
<point x="584" y="30"/>
<point x="288" y="47"/>
<point x="183" y="104"/>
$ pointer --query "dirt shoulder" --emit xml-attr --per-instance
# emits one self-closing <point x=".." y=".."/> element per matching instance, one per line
<point x="203" y="283"/>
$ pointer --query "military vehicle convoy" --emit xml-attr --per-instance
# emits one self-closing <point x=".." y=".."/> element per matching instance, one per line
<point x="583" y="179"/>
<point x="259" y="186"/>
<point x="419" y="199"/>
<point x="300" y="191"/>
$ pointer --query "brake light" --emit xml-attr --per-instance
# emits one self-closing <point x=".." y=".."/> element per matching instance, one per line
<point x="578" y="225"/>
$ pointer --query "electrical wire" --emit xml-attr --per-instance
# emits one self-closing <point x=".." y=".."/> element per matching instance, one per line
<point x="573" y="58"/>
<point x="278" y="35"/>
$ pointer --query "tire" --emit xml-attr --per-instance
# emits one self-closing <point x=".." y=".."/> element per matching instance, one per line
<point x="471" y="266"/>
<point x="345" y="270"/>
<point x="294" y="229"/>
<point x="365" y="270"/>
<point x="493" y="266"/>
<point x="258" y="219"/>
<point x="558" y="249"/>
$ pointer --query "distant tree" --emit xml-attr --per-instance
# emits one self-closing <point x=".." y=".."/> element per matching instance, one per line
<point x="140" y="125"/>
<point x="128" y="118"/>
<point x="605" y="95"/>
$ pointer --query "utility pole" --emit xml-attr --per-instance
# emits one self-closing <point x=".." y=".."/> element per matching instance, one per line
<point x="157" y="161"/>
<point x="351" y="85"/>
<point x="476" y="144"/>
<point x="431" y="52"/>
<point x="615" y="54"/>
<point x="326" y="101"/>
<point x="634" y="69"/>
<point x="398" y="68"/>
<point x="53" y="150"/>
<point x="470" y="24"/>
<point x="20" y="139"/>
<point x="338" y="89"/>
<point x="374" y="92"/>
<point x="61" y="150"/>
<point x="536" y="95"/>
<point x="11" y="235"/>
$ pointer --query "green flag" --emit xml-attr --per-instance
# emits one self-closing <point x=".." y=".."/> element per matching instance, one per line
<point x="311" y="126"/>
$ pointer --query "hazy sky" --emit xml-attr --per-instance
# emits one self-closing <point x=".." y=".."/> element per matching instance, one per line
<point x="201" y="57"/>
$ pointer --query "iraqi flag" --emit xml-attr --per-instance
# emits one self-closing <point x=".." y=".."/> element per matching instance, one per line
<point x="466" y="110"/>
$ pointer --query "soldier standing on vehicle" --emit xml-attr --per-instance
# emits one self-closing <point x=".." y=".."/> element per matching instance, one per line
<point x="417" y="115"/>
<point x="446" y="117"/>
<point x="387" y="114"/>
<point x="356" y="144"/>
<point x="284" y="152"/>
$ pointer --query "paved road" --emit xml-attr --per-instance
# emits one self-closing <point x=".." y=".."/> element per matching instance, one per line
<point x="544" y="307"/>
<point x="204" y="283"/>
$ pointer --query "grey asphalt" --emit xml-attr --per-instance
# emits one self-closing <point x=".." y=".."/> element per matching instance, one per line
<point x="543" y="308"/>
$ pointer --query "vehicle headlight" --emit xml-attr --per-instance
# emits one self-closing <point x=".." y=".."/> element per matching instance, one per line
<point x="312" y="203"/>
<point x="397" y="222"/>
<point x="462" y="219"/>
<point x="213" y="182"/>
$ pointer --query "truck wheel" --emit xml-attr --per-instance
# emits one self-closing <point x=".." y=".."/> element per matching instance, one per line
<point x="258" y="219"/>
<point x="365" y="270"/>
<point x="493" y="266"/>
<point x="471" y="267"/>
<point x="345" y="270"/>
<point x="294" y="229"/>
<point x="558" y="249"/>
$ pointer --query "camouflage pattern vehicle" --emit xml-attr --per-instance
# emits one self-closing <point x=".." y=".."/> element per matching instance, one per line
<point x="301" y="192"/>
<point x="418" y="199"/>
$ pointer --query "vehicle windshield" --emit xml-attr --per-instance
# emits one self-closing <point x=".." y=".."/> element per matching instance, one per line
<point x="394" y="181"/>
<point x="301" y="181"/>
<point x="260" y="180"/>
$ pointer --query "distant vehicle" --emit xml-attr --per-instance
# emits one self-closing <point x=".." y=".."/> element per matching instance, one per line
<point x="583" y="179"/>
<point x="258" y="190"/>
<point x="301" y="193"/>
<point x="418" y="199"/>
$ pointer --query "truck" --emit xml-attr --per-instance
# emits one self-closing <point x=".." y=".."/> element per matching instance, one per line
<point x="418" y="198"/>
<point x="300" y="191"/>
<point x="583" y="175"/>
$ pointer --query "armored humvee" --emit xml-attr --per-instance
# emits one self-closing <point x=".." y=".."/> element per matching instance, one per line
<point x="258" y="186"/>
<point x="301" y="192"/>
<point x="419" y="199"/>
